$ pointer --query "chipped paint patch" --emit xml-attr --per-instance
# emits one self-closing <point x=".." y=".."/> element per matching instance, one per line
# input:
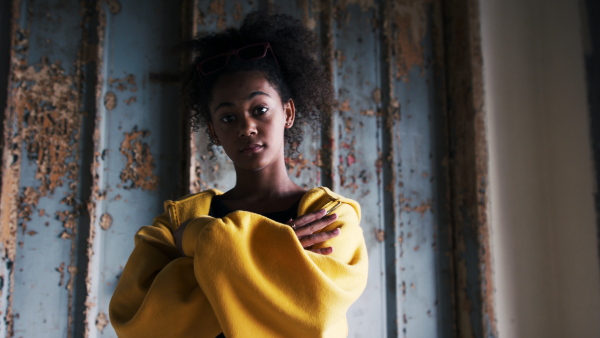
<point x="217" y="7"/>
<point x="114" y="6"/>
<point x="46" y="103"/>
<point x="379" y="235"/>
<point x="106" y="221"/>
<point x="139" y="168"/>
<point x="409" y="21"/>
<point x="110" y="101"/>
<point x="101" y="321"/>
<point x="125" y="83"/>
<point x="421" y="208"/>
<point x="297" y="165"/>
<point x="61" y="271"/>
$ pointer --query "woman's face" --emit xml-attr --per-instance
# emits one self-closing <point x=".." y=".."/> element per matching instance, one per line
<point x="249" y="119"/>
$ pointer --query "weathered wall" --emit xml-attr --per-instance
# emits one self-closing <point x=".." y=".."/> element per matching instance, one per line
<point x="543" y="218"/>
<point x="94" y="139"/>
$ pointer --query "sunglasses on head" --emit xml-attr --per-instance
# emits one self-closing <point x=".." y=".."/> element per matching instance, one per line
<point x="251" y="52"/>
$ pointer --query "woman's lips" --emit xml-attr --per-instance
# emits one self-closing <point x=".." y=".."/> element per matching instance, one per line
<point x="252" y="148"/>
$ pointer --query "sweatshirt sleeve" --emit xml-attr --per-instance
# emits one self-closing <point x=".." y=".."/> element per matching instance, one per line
<point x="261" y="282"/>
<point x="157" y="294"/>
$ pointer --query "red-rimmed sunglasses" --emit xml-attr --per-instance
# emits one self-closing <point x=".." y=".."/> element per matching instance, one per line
<point x="251" y="52"/>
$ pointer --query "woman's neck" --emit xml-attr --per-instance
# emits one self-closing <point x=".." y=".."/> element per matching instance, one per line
<point x="265" y="184"/>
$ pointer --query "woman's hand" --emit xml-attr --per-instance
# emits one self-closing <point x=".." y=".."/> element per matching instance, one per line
<point x="306" y="228"/>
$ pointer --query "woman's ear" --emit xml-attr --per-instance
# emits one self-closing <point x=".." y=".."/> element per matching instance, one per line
<point x="290" y="113"/>
<point x="212" y="134"/>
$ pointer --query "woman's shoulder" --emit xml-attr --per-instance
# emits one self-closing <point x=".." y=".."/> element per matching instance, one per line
<point x="324" y="198"/>
<point x="189" y="206"/>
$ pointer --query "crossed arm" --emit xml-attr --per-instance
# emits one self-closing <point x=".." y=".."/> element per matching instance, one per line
<point x="244" y="276"/>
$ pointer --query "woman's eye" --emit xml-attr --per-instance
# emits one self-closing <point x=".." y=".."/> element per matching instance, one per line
<point x="260" y="110"/>
<point x="227" y="118"/>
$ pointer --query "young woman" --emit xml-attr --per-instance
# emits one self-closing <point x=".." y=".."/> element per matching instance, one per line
<point x="266" y="258"/>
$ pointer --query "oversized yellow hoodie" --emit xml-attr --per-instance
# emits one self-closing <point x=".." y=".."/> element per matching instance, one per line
<point x="244" y="274"/>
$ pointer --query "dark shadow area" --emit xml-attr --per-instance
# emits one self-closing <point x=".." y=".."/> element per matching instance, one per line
<point x="591" y="13"/>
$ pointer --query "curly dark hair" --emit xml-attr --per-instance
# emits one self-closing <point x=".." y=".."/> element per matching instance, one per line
<point x="297" y="72"/>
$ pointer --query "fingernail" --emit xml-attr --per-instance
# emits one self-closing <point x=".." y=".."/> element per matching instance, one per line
<point x="336" y="231"/>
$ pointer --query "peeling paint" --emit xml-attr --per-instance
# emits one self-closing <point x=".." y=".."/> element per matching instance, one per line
<point x="139" y="168"/>
<point x="340" y="58"/>
<point x="128" y="82"/>
<point x="409" y="18"/>
<point x="297" y="165"/>
<point x="217" y="7"/>
<point x="110" y="101"/>
<point x="379" y="235"/>
<point x="114" y="6"/>
<point x="101" y="321"/>
<point x="376" y="94"/>
<point x="106" y="221"/>
<point x="61" y="271"/>
<point x="130" y="100"/>
<point x="47" y="106"/>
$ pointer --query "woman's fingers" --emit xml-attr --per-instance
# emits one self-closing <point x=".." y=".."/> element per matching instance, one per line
<point x="308" y="218"/>
<point x="323" y="251"/>
<point x="307" y="229"/>
<point x="314" y="226"/>
<point x="315" y="238"/>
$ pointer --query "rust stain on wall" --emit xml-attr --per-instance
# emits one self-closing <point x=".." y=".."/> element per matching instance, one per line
<point x="106" y="221"/>
<point x="408" y="23"/>
<point x="125" y="83"/>
<point x="421" y="208"/>
<point x="140" y="162"/>
<point x="298" y="164"/>
<point x="340" y="58"/>
<point x="43" y="119"/>
<point x="110" y="101"/>
<point x="114" y="6"/>
<point x="130" y="100"/>
<point x="47" y="105"/>
<point x="238" y="13"/>
<point x="61" y="271"/>
<point x="217" y="7"/>
<point x="44" y="107"/>
<point x="197" y="184"/>
<point x="101" y="321"/>
<point x="379" y="235"/>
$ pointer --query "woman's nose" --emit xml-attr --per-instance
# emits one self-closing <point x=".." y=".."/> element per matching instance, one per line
<point x="247" y="127"/>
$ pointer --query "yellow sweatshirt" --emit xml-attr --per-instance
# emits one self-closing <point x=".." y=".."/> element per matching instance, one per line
<point x="244" y="274"/>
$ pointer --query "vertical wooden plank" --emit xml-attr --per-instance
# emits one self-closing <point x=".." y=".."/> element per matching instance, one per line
<point x="6" y="236"/>
<point x="5" y="25"/>
<point x="41" y="197"/>
<point x="357" y="149"/>
<point x="137" y="138"/>
<point x="416" y="124"/>
<point x="468" y="164"/>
